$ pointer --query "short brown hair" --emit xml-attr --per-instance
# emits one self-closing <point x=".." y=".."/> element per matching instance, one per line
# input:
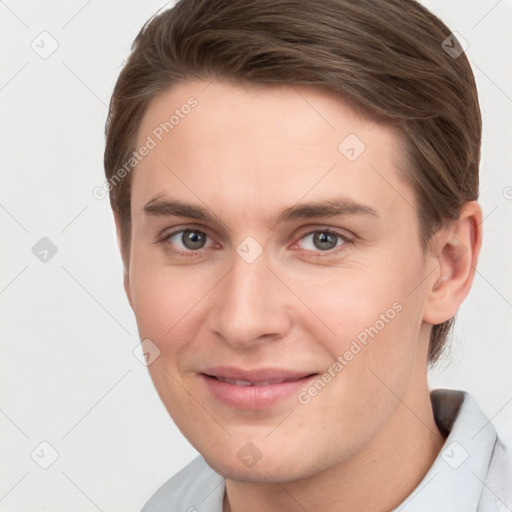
<point x="390" y="56"/>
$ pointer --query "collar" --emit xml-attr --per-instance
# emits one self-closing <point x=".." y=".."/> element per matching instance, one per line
<point x="456" y="479"/>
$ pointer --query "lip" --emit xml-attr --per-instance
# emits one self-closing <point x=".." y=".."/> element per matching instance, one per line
<point x="270" y="385"/>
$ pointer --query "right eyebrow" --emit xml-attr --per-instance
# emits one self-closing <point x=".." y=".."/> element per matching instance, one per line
<point x="159" y="207"/>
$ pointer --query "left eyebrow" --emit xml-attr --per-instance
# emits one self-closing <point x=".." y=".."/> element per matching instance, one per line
<point x="342" y="206"/>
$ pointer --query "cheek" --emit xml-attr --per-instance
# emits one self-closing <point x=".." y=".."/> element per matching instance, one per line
<point x="369" y="317"/>
<point x="371" y="366"/>
<point x="344" y="304"/>
<point x="164" y="300"/>
<point x="386" y="343"/>
<point x="166" y="304"/>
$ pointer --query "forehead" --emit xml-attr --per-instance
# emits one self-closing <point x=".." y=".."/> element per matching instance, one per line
<point x="265" y="147"/>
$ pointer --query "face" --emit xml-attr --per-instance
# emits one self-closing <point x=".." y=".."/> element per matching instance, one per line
<point x="275" y="263"/>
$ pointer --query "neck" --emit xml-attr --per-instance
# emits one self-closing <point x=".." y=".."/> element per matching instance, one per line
<point x="379" y="478"/>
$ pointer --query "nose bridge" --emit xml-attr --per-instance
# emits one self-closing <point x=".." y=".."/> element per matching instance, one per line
<point x="250" y="305"/>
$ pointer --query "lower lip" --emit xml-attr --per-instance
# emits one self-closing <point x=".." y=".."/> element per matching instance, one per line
<point x="253" y="397"/>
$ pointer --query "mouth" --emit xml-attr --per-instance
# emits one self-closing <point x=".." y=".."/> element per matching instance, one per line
<point x="254" y="389"/>
<point x="239" y="382"/>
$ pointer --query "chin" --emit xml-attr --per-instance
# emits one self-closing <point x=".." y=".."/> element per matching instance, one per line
<point x="265" y="470"/>
<point x="262" y="472"/>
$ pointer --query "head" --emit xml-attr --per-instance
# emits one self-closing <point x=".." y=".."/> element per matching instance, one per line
<point x="258" y="121"/>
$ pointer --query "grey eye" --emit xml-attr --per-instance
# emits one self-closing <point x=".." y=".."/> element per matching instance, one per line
<point x="321" y="241"/>
<point x="193" y="240"/>
<point x="325" y="241"/>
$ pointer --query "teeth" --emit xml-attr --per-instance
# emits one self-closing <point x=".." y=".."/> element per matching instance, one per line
<point x="236" y="382"/>
<point x="241" y="382"/>
<point x="247" y="382"/>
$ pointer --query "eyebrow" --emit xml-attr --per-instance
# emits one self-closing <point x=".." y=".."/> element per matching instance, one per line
<point x="339" y="206"/>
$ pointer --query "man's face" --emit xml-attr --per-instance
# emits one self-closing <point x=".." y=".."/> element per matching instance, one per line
<point x="265" y="289"/>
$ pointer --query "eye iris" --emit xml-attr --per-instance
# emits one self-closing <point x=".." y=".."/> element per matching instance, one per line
<point x="193" y="240"/>
<point x="325" y="241"/>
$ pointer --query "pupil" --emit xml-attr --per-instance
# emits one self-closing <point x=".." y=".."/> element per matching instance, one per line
<point x="193" y="240"/>
<point x="325" y="241"/>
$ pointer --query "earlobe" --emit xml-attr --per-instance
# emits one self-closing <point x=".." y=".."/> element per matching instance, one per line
<point x="458" y="248"/>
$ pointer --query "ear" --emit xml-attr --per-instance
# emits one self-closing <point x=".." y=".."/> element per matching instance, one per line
<point x="126" y="275"/>
<point x="454" y="258"/>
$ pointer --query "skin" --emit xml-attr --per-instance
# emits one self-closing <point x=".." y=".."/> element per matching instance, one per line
<point x="368" y="438"/>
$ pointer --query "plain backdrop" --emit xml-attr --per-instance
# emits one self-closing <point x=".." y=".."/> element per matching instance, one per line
<point x="68" y="375"/>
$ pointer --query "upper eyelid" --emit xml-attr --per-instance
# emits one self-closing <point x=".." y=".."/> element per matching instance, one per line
<point x="165" y="233"/>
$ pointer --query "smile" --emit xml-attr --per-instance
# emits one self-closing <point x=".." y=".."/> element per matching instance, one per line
<point x="260" y="389"/>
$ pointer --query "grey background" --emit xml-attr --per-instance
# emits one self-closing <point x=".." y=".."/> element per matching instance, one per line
<point x="68" y="374"/>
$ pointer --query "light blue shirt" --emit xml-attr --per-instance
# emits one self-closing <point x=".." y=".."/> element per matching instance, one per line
<point x="472" y="473"/>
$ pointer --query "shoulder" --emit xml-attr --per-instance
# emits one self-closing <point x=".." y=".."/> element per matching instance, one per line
<point x="497" y="490"/>
<point x="195" y="488"/>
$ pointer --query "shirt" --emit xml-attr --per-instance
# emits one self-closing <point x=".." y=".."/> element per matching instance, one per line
<point x="472" y="473"/>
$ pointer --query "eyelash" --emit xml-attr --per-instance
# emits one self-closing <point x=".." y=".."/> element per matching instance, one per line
<point x="320" y="254"/>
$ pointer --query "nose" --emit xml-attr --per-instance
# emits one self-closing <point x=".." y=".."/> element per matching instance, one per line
<point x="251" y="305"/>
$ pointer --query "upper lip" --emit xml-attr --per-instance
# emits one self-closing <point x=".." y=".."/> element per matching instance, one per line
<point x="256" y="374"/>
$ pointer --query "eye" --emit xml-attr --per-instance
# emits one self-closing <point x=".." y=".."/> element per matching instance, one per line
<point x="187" y="240"/>
<point x="322" y="240"/>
